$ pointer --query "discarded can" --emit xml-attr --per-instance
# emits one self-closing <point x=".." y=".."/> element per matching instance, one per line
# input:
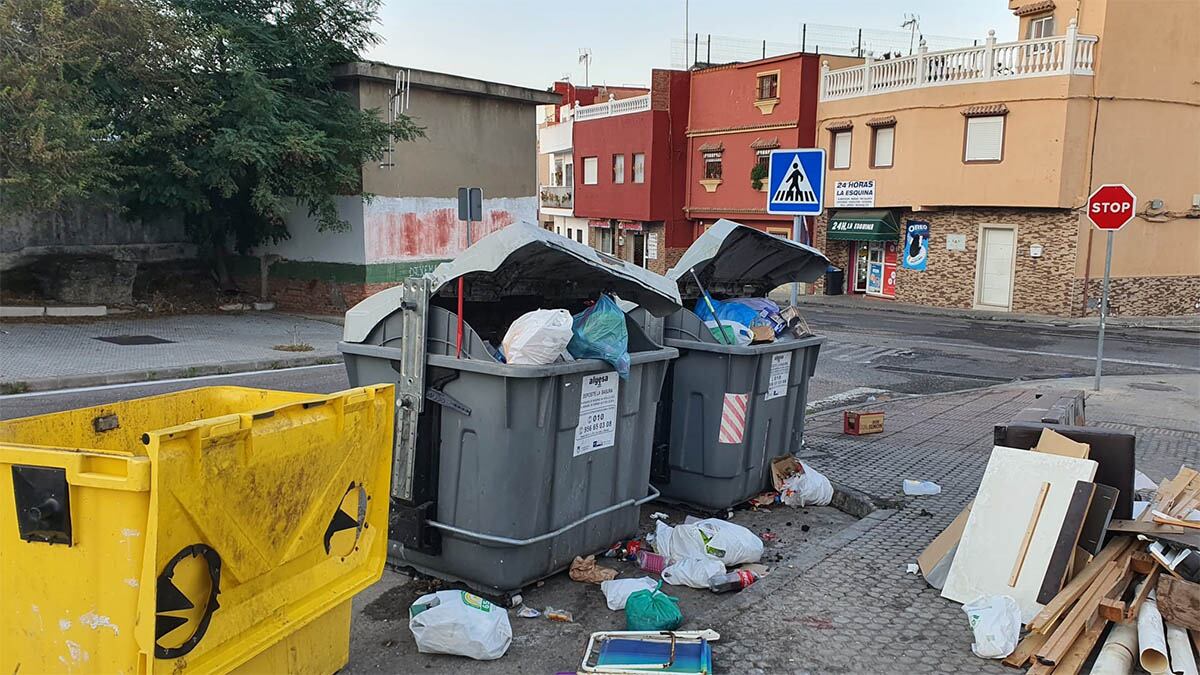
<point x="731" y="581"/>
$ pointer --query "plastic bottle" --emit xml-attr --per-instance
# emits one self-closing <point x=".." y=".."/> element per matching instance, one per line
<point x="734" y="580"/>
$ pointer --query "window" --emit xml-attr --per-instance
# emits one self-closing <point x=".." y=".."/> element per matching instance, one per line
<point x="841" y="150"/>
<point x="984" y="139"/>
<point x="1041" y="27"/>
<point x="590" y="169"/>
<point x="763" y="158"/>
<point x="618" y="168"/>
<point x="639" y="167"/>
<point x="712" y="166"/>
<point x="768" y="86"/>
<point x="883" y="144"/>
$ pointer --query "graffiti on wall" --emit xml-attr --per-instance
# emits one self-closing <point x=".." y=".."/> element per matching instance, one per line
<point x="416" y="228"/>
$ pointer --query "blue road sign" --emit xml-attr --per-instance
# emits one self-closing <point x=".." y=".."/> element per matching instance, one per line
<point x="796" y="182"/>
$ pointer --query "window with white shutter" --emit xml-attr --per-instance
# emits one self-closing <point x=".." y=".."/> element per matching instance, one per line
<point x="885" y="141"/>
<point x="985" y="139"/>
<point x="590" y="169"/>
<point x="841" y="150"/>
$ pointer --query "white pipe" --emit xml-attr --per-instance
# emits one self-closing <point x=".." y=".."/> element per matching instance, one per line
<point x="1182" y="659"/>
<point x="1116" y="656"/>
<point x="1151" y="637"/>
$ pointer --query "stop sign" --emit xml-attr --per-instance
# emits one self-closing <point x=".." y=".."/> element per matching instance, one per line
<point x="1111" y="206"/>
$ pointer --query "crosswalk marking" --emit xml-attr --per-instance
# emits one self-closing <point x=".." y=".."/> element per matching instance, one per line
<point x="855" y="353"/>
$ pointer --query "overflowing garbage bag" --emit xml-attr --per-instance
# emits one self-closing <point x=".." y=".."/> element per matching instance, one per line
<point x="617" y="591"/>
<point x="806" y="487"/>
<point x="460" y="623"/>
<point x="693" y="572"/>
<point x="537" y="338"/>
<point x="652" y="610"/>
<point x="736" y="319"/>
<point x="600" y="333"/>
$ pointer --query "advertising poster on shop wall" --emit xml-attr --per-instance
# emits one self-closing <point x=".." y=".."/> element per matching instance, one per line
<point x="916" y="245"/>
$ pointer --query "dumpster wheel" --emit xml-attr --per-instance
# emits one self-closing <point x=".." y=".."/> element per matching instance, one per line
<point x="176" y="607"/>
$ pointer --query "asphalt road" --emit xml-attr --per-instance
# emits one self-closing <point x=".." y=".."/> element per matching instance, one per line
<point x="866" y="354"/>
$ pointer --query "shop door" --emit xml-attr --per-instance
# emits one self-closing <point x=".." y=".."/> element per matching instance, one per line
<point x="997" y="245"/>
<point x="639" y="249"/>
<point x="861" y="259"/>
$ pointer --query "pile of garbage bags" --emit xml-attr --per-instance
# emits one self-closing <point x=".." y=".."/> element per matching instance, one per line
<point x="741" y="321"/>
<point x="546" y="336"/>
<point x="702" y="549"/>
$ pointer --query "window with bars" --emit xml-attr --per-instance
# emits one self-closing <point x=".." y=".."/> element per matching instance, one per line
<point x="763" y="158"/>
<point x="712" y="166"/>
<point x="768" y="86"/>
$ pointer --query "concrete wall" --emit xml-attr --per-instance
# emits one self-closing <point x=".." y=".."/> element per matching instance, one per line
<point x="400" y="229"/>
<point x="310" y="244"/>
<point x="90" y="230"/>
<point x="470" y="140"/>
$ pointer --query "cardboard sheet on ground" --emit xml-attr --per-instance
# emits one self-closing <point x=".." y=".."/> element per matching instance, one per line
<point x="1007" y="501"/>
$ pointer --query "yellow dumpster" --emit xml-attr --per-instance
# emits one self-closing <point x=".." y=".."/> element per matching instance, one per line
<point x="206" y="531"/>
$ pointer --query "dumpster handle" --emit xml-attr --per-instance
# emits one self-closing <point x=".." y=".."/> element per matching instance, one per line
<point x="507" y="541"/>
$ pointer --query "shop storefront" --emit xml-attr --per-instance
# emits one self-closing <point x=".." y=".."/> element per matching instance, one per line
<point x="872" y="238"/>
<point x="625" y="239"/>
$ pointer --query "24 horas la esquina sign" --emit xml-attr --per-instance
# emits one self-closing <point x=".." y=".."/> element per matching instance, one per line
<point x="854" y="194"/>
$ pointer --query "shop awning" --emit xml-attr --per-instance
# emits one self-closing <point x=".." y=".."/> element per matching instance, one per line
<point x="856" y="225"/>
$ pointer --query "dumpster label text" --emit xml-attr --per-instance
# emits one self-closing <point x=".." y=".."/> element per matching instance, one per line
<point x="597" y="413"/>
<point x="777" y="380"/>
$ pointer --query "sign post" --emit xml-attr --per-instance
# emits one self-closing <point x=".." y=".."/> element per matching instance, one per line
<point x="796" y="187"/>
<point x="1109" y="208"/>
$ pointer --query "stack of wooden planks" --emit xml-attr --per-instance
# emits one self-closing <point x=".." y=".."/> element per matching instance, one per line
<point x="1065" y="632"/>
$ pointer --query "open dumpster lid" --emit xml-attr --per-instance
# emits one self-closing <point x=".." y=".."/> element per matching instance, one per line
<point x="524" y="259"/>
<point x="730" y="256"/>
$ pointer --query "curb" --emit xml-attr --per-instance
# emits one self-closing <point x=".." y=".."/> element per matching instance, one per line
<point x="152" y="375"/>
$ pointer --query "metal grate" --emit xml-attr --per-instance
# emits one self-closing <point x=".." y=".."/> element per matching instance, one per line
<point x="130" y="340"/>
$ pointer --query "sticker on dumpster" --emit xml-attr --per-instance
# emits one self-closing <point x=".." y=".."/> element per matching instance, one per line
<point x="777" y="380"/>
<point x="733" y="418"/>
<point x="597" y="413"/>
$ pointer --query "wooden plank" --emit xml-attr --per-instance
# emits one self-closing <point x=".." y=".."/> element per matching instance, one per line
<point x="1025" y="650"/>
<point x="1079" y="619"/>
<point x="1135" y="605"/>
<point x="944" y="542"/>
<point x="1045" y="619"/>
<point x="1079" y="561"/>
<point x="1095" y="525"/>
<point x="1068" y="537"/>
<point x="1038" y="503"/>
<point x="1179" y="602"/>
<point x="1077" y="655"/>
<point x="1056" y="444"/>
<point x="1113" y="610"/>
<point x="1163" y="519"/>
<point x="1181" y="535"/>
<point x="1142" y="561"/>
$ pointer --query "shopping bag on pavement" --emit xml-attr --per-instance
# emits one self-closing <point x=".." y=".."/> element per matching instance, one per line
<point x="652" y="610"/>
<point x="996" y="622"/>
<point x="617" y="591"/>
<point x="457" y="622"/>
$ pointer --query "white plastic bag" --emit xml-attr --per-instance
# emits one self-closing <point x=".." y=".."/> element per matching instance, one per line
<point x="807" y="487"/>
<point x="694" y="572"/>
<point x="741" y="334"/>
<point x="538" y="337"/>
<point x="921" y="487"/>
<point x="728" y="542"/>
<point x="662" y="538"/>
<point x="996" y="621"/>
<point x="458" y="622"/>
<point x="617" y="591"/>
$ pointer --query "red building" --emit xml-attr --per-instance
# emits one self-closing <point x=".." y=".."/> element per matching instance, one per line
<point x="630" y="172"/>
<point x="738" y="113"/>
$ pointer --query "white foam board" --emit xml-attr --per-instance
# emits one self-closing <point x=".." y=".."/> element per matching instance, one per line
<point x="991" y="540"/>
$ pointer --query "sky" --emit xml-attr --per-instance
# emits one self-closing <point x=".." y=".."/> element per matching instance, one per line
<point x="535" y="42"/>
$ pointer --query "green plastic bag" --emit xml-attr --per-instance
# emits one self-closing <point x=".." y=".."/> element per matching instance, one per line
<point x="652" y="610"/>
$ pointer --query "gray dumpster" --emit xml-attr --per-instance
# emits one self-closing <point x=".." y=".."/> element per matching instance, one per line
<point x="504" y="473"/>
<point x="727" y="410"/>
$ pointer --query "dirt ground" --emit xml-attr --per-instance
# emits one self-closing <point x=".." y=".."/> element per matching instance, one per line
<point x="381" y="642"/>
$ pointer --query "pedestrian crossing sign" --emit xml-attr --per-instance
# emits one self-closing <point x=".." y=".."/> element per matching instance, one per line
<point x="796" y="182"/>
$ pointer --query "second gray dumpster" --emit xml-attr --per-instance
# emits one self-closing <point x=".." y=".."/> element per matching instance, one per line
<point x="727" y="410"/>
<point x="504" y="473"/>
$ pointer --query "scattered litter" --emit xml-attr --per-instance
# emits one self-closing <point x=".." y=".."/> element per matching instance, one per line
<point x="921" y="487"/>
<point x="460" y="623"/>
<point x="587" y="571"/>
<point x="617" y="591"/>
<point x="758" y="568"/>
<point x="765" y="499"/>
<point x="768" y="537"/>
<point x="734" y="580"/>
<point x="651" y="561"/>
<point x="527" y="612"/>
<point x="559" y="615"/>
<point x="681" y="652"/>
<point x="693" y="572"/>
<point x="913" y="568"/>
<point x="652" y="610"/>
<point x="996" y="622"/>
<point x="659" y="515"/>
<point x="538" y="337"/>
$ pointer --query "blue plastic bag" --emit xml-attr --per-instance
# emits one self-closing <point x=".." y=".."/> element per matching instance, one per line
<point x="726" y="311"/>
<point x="599" y="332"/>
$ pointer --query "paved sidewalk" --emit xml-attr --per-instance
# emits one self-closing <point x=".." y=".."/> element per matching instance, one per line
<point x="859" y="302"/>
<point x="41" y="355"/>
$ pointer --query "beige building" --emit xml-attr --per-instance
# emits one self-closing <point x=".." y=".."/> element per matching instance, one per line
<point x="477" y="133"/>
<point x="992" y="151"/>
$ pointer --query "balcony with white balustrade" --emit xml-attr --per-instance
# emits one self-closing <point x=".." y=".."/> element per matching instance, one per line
<point x="613" y="106"/>
<point x="1069" y="54"/>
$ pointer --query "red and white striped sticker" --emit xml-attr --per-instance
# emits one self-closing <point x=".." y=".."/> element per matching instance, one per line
<point x="733" y="418"/>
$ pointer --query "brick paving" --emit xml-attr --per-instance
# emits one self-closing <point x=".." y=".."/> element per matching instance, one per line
<point x="42" y="352"/>
<point x="848" y="605"/>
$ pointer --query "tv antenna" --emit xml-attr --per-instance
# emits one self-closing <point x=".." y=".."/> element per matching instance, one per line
<point x="913" y="23"/>
<point x="585" y="57"/>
